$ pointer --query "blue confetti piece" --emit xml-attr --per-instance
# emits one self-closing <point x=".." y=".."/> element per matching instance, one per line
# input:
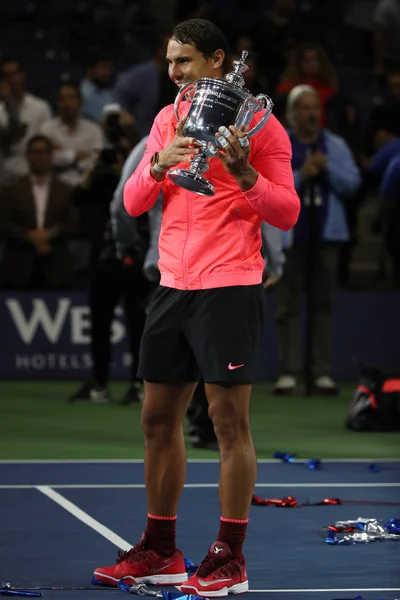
<point x="374" y="468"/>
<point x="393" y="526"/>
<point x="179" y="596"/>
<point x="7" y="590"/>
<point x="313" y="464"/>
<point x="124" y="585"/>
<point x="191" y="568"/>
<point x="285" y="457"/>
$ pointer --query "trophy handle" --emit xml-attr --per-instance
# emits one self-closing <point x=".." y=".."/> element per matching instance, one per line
<point x="191" y="86"/>
<point x="268" y="105"/>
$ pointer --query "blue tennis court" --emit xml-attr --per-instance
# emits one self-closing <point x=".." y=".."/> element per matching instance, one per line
<point x="59" y="520"/>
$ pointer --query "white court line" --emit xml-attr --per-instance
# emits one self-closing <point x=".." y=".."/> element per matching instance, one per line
<point x="84" y="517"/>
<point x="89" y="461"/>
<point x="124" y="545"/>
<point x="138" y="486"/>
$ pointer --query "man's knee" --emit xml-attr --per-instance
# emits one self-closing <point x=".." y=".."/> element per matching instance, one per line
<point x="229" y="412"/>
<point x="164" y="408"/>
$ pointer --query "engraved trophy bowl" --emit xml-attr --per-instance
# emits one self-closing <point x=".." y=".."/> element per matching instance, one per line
<point x="215" y="102"/>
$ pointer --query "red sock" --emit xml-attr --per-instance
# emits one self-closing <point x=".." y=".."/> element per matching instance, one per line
<point x="233" y="533"/>
<point x="161" y="533"/>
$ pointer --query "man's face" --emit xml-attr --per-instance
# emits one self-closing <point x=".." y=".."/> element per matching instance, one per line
<point x="39" y="155"/>
<point x="103" y="72"/>
<point x="310" y="63"/>
<point x="13" y="75"/>
<point x="186" y="63"/>
<point x="307" y="113"/>
<point x="69" y="103"/>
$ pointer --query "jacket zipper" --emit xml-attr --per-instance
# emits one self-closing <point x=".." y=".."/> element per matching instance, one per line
<point x="185" y="258"/>
<point x="242" y="232"/>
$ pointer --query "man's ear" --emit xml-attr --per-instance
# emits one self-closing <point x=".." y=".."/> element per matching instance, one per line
<point x="218" y="57"/>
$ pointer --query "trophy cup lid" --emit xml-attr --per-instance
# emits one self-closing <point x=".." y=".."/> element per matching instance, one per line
<point x="236" y="76"/>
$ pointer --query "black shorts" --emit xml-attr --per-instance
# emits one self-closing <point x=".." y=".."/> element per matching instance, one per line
<point x="214" y="334"/>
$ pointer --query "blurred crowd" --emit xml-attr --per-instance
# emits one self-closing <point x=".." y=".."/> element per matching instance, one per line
<point x="80" y="85"/>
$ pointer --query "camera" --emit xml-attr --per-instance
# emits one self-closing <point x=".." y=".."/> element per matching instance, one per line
<point x="112" y="123"/>
<point x="108" y="156"/>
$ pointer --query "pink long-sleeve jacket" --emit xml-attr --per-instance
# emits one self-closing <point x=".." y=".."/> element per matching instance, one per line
<point x="210" y="242"/>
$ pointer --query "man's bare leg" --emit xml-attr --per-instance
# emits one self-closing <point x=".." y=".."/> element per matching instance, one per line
<point x="229" y="410"/>
<point x="163" y="411"/>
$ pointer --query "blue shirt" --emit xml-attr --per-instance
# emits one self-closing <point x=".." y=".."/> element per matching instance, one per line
<point x="382" y="158"/>
<point x="390" y="186"/>
<point x="94" y="100"/>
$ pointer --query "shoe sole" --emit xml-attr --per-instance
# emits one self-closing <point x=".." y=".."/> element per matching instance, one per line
<point x="239" y="588"/>
<point x="175" y="579"/>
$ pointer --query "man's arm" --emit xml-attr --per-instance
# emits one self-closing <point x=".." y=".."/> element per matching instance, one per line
<point x="274" y="256"/>
<point x="124" y="228"/>
<point x="150" y="266"/>
<point x="343" y="173"/>
<point x="273" y="196"/>
<point x="141" y="190"/>
<point x="9" y="228"/>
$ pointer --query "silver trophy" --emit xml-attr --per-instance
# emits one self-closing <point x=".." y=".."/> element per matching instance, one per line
<point x="215" y="102"/>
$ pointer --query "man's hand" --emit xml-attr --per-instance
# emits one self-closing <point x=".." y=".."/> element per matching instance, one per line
<point x="235" y="154"/>
<point x="39" y="238"/>
<point x="269" y="278"/>
<point x="320" y="160"/>
<point x="313" y="165"/>
<point x="181" y="149"/>
<point x="84" y="154"/>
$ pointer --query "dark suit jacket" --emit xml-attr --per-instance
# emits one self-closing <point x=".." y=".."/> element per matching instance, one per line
<point x="18" y="217"/>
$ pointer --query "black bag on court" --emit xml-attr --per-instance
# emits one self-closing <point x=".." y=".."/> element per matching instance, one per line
<point x="376" y="402"/>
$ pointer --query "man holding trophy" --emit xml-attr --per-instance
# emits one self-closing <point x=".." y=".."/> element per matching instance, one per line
<point x="206" y="318"/>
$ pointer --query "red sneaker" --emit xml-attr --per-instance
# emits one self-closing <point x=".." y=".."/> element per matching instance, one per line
<point x="218" y="575"/>
<point x="141" y="565"/>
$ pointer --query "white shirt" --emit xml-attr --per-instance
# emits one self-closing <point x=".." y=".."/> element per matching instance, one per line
<point x="86" y="136"/>
<point x="33" y="112"/>
<point x="40" y="192"/>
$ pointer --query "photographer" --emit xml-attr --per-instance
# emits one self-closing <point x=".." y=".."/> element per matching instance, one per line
<point x="119" y="258"/>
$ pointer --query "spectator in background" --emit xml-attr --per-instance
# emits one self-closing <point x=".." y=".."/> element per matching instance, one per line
<point x="254" y="80"/>
<point x="387" y="36"/>
<point x="127" y="268"/>
<point x="388" y="144"/>
<point x="96" y="87"/>
<point x="309" y="64"/>
<point x="37" y="218"/>
<point x="28" y="112"/>
<point x="274" y="35"/>
<point x="76" y="140"/>
<point x="390" y="214"/>
<point x="146" y="88"/>
<point x="385" y="115"/>
<point x="325" y="173"/>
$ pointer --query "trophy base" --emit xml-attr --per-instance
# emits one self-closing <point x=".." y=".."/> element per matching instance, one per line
<point x="193" y="183"/>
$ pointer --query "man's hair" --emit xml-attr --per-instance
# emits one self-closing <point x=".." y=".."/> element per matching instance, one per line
<point x="71" y="85"/>
<point x="39" y="138"/>
<point x="295" y="96"/>
<point x="203" y="35"/>
<point x="11" y="59"/>
<point x="97" y="54"/>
